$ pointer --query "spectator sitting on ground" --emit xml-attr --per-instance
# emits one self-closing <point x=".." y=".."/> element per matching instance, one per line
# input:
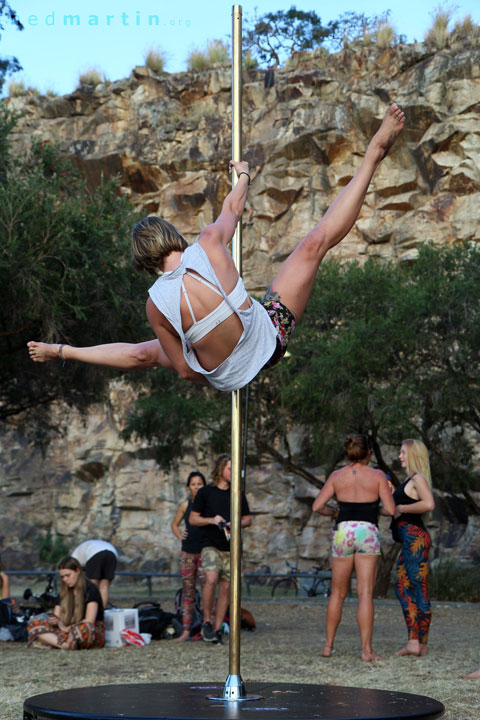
<point x="77" y="621"/>
<point x="99" y="561"/>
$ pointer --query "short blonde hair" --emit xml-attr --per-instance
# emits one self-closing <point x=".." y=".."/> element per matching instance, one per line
<point x="153" y="239"/>
<point x="417" y="459"/>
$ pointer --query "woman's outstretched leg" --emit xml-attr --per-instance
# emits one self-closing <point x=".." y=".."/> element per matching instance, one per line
<point x="121" y="356"/>
<point x="294" y="281"/>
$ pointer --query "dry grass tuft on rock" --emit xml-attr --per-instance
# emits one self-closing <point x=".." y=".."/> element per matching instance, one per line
<point x="438" y="35"/>
<point x="465" y="32"/>
<point x="155" y="60"/>
<point x="385" y="35"/>
<point x="93" y="76"/>
<point x="216" y="55"/>
<point x="19" y="89"/>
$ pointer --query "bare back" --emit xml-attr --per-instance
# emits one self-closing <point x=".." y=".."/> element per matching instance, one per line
<point x="357" y="483"/>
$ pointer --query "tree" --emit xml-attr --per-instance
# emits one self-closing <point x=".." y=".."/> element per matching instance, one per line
<point x="64" y="273"/>
<point x="274" y="34"/>
<point x="391" y="351"/>
<point x="8" y="65"/>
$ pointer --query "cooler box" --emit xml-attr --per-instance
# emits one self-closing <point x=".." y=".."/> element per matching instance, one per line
<point x="117" y="620"/>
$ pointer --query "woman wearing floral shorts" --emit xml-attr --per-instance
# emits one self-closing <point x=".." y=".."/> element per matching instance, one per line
<point x="355" y="542"/>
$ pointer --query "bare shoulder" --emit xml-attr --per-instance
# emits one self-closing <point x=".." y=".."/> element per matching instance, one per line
<point x="183" y="505"/>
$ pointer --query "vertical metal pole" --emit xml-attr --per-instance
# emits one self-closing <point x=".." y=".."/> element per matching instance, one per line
<point x="236" y="488"/>
<point x="234" y="688"/>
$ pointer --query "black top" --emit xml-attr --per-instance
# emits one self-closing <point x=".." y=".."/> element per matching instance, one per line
<point x="195" y="540"/>
<point x="364" y="511"/>
<point x="210" y="501"/>
<point x="401" y="498"/>
<point x="93" y="595"/>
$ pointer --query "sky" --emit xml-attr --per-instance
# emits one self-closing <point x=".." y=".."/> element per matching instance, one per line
<point x="114" y="35"/>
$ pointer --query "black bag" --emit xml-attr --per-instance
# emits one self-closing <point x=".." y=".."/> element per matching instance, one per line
<point x="197" y="617"/>
<point x="6" y="615"/>
<point x="155" y="621"/>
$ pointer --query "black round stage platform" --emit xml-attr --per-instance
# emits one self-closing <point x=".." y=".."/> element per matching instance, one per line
<point x="188" y="701"/>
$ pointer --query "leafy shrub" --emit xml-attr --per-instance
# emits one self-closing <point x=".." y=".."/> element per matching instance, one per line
<point x="215" y="55"/>
<point x="438" y="34"/>
<point x="52" y="550"/>
<point x="155" y="60"/>
<point x="92" y="76"/>
<point x="450" y="581"/>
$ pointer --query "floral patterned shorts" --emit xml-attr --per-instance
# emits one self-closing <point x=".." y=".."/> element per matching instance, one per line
<point x="355" y="536"/>
<point x="284" y="323"/>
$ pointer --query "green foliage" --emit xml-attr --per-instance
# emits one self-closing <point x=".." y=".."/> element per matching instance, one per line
<point x="391" y="351"/>
<point x="8" y="65"/>
<point x="169" y="412"/>
<point x="64" y="274"/>
<point x="52" y="550"/>
<point x="449" y="581"/>
<point x="275" y="34"/>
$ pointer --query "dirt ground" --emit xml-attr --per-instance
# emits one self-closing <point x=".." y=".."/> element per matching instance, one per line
<point x="283" y="648"/>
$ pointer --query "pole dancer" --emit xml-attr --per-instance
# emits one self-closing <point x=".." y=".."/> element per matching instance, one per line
<point x="209" y="330"/>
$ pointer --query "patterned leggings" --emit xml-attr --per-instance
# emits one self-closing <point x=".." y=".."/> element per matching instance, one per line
<point x="412" y="580"/>
<point x="190" y="568"/>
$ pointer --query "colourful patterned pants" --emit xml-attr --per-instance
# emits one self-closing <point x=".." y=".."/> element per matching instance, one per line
<point x="412" y="580"/>
<point x="80" y="636"/>
<point x="190" y="568"/>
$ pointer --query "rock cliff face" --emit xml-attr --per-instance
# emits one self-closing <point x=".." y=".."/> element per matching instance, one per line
<point x="169" y="139"/>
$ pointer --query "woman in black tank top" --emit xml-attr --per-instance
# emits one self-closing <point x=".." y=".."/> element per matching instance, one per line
<point x="358" y="490"/>
<point x="190" y="555"/>
<point x="413" y="498"/>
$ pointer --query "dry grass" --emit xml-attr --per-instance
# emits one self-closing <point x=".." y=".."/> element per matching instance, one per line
<point x="283" y="649"/>
<point x="385" y="35"/>
<point x="438" y="35"/>
<point x="155" y="60"/>
<point x="216" y="55"/>
<point x="92" y="76"/>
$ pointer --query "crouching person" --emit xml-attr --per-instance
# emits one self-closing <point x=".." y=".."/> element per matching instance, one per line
<point x="77" y="621"/>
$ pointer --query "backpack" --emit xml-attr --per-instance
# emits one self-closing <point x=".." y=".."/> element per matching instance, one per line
<point x="197" y="618"/>
<point x="155" y="621"/>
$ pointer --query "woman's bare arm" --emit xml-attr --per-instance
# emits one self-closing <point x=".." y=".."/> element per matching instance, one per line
<point x="179" y="515"/>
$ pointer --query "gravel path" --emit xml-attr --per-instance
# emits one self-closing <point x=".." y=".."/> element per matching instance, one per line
<point x="283" y="648"/>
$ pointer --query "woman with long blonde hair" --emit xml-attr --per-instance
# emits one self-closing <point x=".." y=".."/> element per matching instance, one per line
<point x="412" y="499"/>
<point x="77" y="620"/>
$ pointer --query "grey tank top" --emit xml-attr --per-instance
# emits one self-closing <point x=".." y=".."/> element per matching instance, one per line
<point x="257" y="341"/>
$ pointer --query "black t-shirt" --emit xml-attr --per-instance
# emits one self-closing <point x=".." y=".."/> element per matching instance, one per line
<point x="93" y="595"/>
<point x="210" y="501"/>
<point x="195" y="540"/>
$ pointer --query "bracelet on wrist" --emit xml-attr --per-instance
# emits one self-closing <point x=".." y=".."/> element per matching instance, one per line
<point x="244" y="173"/>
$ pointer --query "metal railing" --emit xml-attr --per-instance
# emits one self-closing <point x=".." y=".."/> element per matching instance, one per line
<point x="51" y="575"/>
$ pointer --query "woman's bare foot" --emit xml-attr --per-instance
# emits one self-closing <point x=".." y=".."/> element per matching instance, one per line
<point x="423" y="649"/>
<point x="370" y="656"/>
<point x="327" y="651"/>
<point x="411" y="648"/>
<point x="183" y="637"/>
<point x="390" y="129"/>
<point x="472" y="676"/>
<point x="43" y="352"/>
